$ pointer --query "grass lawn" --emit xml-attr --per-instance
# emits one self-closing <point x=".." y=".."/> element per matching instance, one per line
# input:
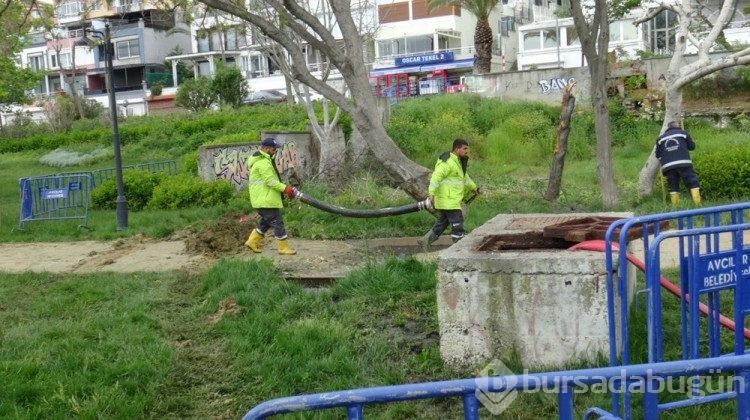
<point x="213" y="345"/>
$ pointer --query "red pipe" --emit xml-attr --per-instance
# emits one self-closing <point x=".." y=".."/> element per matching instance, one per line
<point x="599" y="245"/>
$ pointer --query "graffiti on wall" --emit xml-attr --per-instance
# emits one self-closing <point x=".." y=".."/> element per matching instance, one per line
<point x="230" y="163"/>
<point x="554" y="85"/>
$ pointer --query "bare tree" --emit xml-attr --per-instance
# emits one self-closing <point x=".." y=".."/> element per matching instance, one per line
<point x="347" y="56"/>
<point x="331" y="156"/>
<point x="561" y="145"/>
<point x="59" y="38"/>
<point x="593" y="31"/>
<point x="694" y="28"/>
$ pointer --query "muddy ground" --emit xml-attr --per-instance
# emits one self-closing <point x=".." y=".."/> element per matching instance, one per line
<point x="196" y="252"/>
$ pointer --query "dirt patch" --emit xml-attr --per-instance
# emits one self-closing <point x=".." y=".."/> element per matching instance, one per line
<point x="225" y="235"/>
<point x="195" y="252"/>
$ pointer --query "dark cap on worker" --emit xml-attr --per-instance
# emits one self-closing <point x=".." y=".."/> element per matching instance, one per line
<point x="270" y="142"/>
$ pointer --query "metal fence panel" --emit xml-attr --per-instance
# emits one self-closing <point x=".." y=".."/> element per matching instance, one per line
<point x="55" y="197"/>
<point x="103" y="175"/>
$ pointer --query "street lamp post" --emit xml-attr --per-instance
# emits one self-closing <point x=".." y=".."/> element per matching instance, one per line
<point x="121" y="202"/>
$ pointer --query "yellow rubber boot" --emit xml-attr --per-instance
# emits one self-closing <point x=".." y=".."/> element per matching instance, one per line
<point x="283" y="246"/>
<point x="674" y="198"/>
<point x="696" y="194"/>
<point x="253" y="242"/>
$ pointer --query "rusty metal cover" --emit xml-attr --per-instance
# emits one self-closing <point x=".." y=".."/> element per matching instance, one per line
<point x="593" y="227"/>
<point x="534" y="222"/>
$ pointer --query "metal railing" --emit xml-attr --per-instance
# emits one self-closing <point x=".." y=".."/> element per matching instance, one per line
<point x="705" y="224"/>
<point x="563" y="383"/>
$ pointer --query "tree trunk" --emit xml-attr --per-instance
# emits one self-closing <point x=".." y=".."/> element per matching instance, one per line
<point x="594" y="36"/>
<point x="404" y="174"/>
<point x="603" y="141"/>
<point x="483" y="45"/>
<point x="563" y="130"/>
<point x="346" y="54"/>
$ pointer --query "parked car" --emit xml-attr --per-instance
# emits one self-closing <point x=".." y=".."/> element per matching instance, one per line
<point x="314" y="96"/>
<point x="264" y="97"/>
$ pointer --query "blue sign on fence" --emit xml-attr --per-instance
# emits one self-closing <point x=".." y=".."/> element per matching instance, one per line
<point x="54" y="194"/>
<point x="717" y="271"/>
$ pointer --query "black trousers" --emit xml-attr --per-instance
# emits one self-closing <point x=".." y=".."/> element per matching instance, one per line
<point x="271" y="218"/>
<point x="454" y="218"/>
<point x="686" y="174"/>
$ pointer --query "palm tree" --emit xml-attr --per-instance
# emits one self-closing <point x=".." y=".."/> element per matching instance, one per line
<point x="482" y="33"/>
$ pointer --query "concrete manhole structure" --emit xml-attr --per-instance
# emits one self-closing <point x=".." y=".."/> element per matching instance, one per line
<point x="512" y="287"/>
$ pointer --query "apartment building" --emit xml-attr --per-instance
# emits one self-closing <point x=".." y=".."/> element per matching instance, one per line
<point x="219" y="36"/>
<point x="142" y="37"/>
<point x="412" y="51"/>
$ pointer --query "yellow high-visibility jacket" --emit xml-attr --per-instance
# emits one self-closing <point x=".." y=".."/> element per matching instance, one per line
<point x="264" y="182"/>
<point x="450" y="182"/>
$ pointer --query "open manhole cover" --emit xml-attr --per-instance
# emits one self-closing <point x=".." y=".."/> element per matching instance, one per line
<point x="562" y="235"/>
<point x="522" y="241"/>
<point x="594" y="227"/>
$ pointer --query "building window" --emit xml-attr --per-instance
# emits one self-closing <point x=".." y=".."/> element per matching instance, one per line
<point x="507" y="24"/>
<point x="391" y="47"/>
<point x="60" y="60"/>
<point x="449" y="40"/>
<point x="419" y="44"/>
<point x="36" y="62"/>
<point x="550" y="38"/>
<point x="203" y="44"/>
<point x="68" y="9"/>
<point x="235" y="39"/>
<point x="532" y="41"/>
<point x="572" y="36"/>
<point x="255" y="66"/>
<point x="662" y="32"/>
<point x="128" y="49"/>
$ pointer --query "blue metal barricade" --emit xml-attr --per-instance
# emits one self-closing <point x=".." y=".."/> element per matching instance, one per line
<point x="564" y="383"/>
<point x="103" y="175"/>
<point x="55" y="197"/>
<point x="168" y="166"/>
<point x="697" y="233"/>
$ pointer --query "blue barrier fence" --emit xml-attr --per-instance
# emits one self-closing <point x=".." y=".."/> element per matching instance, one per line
<point x="55" y="197"/>
<point x="67" y="195"/>
<point x="648" y="377"/>
<point x="700" y="255"/>
<point x="168" y="166"/>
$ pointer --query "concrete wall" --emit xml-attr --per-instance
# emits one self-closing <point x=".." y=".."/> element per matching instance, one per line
<point x="298" y="155"/>
<point x="547" y="306"/>
<point x="539" y="85"/>
<point x="546" y="85"/>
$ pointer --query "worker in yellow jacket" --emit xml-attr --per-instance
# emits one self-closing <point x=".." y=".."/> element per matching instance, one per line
<point x="450" y="185"/>
<point x="266" y="189"/>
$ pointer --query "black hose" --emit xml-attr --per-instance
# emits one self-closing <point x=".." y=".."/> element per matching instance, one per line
<point x="364" y="213"/>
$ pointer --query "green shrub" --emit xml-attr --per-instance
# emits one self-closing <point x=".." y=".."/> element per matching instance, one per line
<point x="190" y="163"/>
<point x="249" y="137"/>
<point x="216" y="193"/>
<point x="138" y="187"/>
<point x="485" y="113"/>
<point x="91" y="108"/>
<point x="207" y="122"/>
<point x="183" y="191"/>
<point x="724" y="173"/>
<point x="196" y="94"/>
<point x="229" y="84"/>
